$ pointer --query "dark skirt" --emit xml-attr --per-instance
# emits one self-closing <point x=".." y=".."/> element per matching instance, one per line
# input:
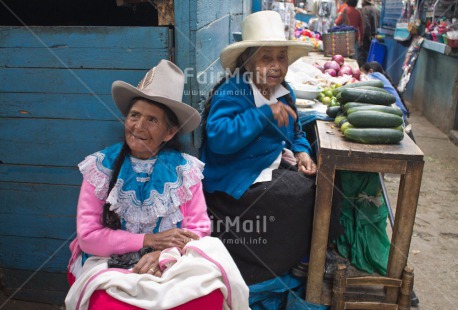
<point x="268" y="230"/>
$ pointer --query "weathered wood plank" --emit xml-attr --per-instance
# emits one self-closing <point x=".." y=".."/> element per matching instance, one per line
<point x="45" y="287"/>
<point x="54" y="142"/>
<point x="79" y="58"/>
<point x="235" y="26"/>
<point x="236" y="6"/>
<point x="185" y="15"/>
<point x="62" y="81"/>
<point x="85" y="36"/>
<point x="28" y="199"/>
<point x="210" y="41"/>
<point x="40" y="174"/>
<point x="73" y="106"/>
<point x="210" y="10"/>
<point x="37" y="226"/>
<point x="32" y="253"/>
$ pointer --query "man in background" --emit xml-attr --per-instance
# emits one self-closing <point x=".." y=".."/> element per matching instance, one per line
<point x="371" y="18"/>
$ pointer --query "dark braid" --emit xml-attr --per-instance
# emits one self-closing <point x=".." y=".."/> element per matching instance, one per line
<point x="109" y="218"/>
<point x="242" y="60"/>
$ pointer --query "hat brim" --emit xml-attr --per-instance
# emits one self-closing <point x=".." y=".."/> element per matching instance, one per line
<point x="123" y="93"/>
<point x="296" y="50"/>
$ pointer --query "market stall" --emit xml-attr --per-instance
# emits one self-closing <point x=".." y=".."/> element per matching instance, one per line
<point x="356" y="159"/>
<point x="431" y="88"/>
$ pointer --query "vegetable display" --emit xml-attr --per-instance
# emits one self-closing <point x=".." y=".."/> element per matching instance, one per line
<point x="366" y="113"/>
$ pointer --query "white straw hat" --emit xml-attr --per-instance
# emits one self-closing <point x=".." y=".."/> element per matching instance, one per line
<point x="264" y="28"/>
<point x="164" y="84"/>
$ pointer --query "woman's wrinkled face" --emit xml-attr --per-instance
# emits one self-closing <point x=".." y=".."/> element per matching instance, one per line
<point x="269" y="66"/>
<point x="146" y="129"/>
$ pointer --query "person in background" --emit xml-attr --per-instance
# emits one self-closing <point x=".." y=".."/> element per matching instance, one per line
<point x="342" y="7"/>
<point x="287" y="13"/>
<point x="141" y="205"/>
<point x="351" y="16"/>
<point x="371" y="19"/>
<point x="374" y="70"/>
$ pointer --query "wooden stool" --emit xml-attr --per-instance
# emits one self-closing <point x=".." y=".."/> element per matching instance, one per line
<point x="341" y="283"/>
<point x="337" y="153"/>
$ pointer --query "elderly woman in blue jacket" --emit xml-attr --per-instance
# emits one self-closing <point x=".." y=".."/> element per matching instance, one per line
<point x="259" y="183"/>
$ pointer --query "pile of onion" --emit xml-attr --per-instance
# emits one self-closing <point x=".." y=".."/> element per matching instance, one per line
<point x="337" y="67"/>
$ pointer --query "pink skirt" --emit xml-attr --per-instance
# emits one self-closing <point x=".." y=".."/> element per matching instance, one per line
<point x="101" y="300"/>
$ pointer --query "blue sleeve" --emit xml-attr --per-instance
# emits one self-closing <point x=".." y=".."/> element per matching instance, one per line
<point x="387" y="86"/>
<point x="232" y="124"/>
<point x="300" y="143"/>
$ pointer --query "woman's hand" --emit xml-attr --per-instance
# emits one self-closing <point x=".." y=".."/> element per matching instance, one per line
<point x="175" y="237"/>
<point x="281" y="113"/>
<point x="149" y="263"/>
<point x="305" y="164"/>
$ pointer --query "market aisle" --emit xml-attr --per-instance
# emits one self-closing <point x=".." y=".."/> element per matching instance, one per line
<point x="434" y="246"/>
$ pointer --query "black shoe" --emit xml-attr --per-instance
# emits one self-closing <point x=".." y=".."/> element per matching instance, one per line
<point x="414" y="301"/>
<point x="300" y="270"/>
<point x="333" y="259"/>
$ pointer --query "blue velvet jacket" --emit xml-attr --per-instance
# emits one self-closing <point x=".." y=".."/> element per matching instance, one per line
<point x="242" y="140"/>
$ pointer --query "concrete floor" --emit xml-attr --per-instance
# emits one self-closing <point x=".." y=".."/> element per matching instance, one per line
<point x="434" y="246"/>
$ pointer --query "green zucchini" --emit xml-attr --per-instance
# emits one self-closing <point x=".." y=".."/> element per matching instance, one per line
<point x="345" y="126"/>
<point x="374" y="83"/>
<point x="339" y="118"/>
<point x="347" y="106"/>
<point x="374" y="88"/>
<point x="332" y="111"/>
<point x="342" y="121"/>
<point x="367" y="96"/>
<point x="374" y="135"/>
<point x="379" y="108"/>
<point x="374" y="119"/>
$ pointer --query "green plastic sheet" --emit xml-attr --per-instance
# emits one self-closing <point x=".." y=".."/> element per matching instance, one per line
<point x="364" y="218"/>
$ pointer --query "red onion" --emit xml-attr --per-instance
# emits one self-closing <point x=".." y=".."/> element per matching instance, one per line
<point x="345" y="70"/>
<point x="339" y="59"/>
<point x="330" y="71"/>
<point x="318" y="66"/>
<point x="356" y="73"/>
<point x="332" y="65"/>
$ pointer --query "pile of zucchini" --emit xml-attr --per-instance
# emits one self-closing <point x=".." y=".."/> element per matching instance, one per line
<point x="367" y="114"/>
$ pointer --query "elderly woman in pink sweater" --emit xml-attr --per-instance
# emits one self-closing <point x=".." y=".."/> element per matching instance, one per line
<point x="141" y="197"/>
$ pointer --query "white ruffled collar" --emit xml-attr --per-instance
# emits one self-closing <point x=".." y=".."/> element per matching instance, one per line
<point x="145" y="201"/>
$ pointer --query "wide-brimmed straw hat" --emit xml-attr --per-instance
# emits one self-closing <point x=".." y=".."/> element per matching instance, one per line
<point x="164" y="84"/>
<point x="264" y="28"/>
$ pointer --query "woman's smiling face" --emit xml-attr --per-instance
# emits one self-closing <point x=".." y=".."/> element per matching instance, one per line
<point x="146" y="129"/>
<point x="269" y="66"/>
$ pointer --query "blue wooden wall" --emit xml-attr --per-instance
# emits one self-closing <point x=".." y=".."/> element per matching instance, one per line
<point x="394" y="58"/>
<point x="56" y="108"/>
<point x="202" y="29"/>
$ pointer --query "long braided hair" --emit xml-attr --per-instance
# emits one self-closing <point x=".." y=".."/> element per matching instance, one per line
<point x="240" y="69"/>
<point x="109" y="218"/>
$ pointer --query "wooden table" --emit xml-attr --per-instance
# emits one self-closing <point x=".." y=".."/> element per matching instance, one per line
<point x="337" y="153"/>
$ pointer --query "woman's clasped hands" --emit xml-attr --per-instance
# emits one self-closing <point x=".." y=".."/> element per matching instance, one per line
<point x="176" y="237"/>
